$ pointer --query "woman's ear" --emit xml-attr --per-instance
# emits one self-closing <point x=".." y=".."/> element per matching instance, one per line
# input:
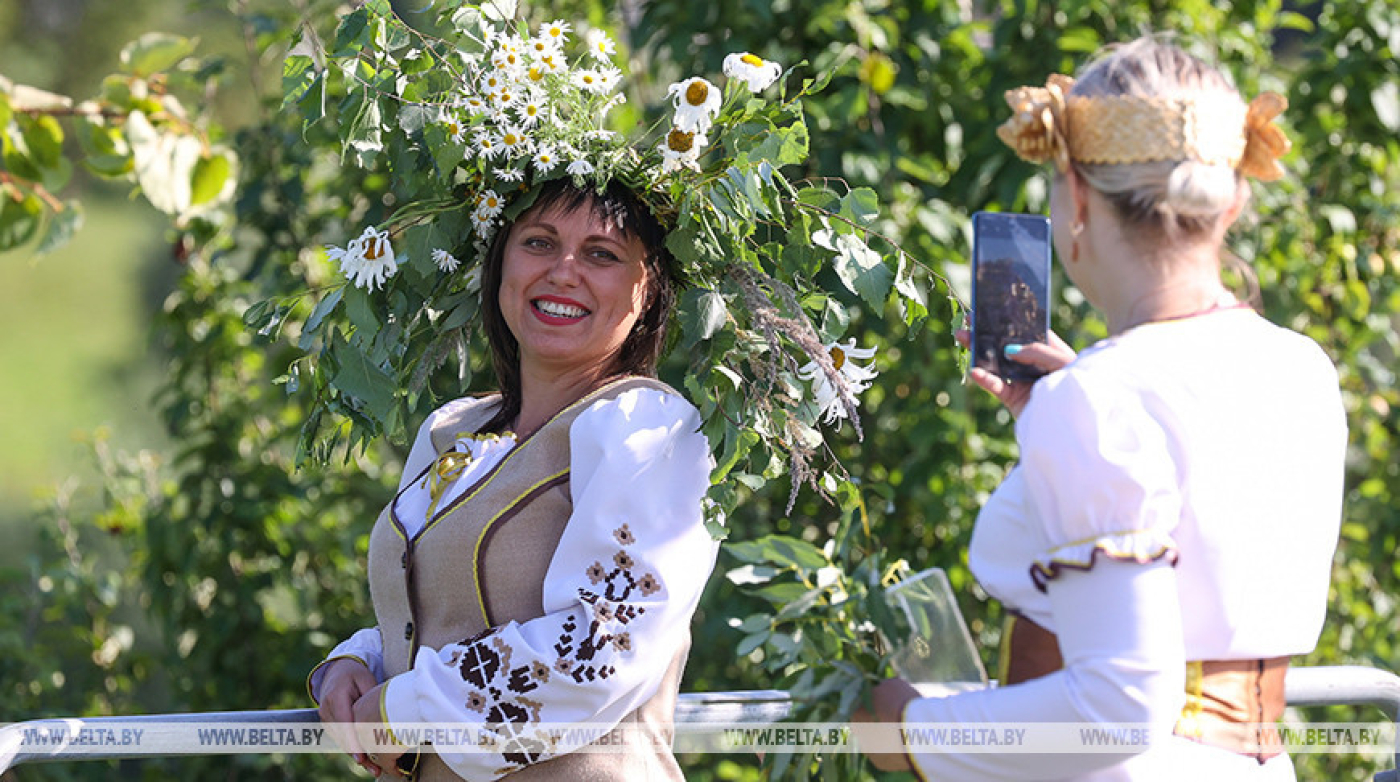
<point x="1079" y="194"/>
<point x="1237" y="205"/>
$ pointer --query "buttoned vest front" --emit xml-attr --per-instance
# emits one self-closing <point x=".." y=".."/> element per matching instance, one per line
<point x="481" y="562"/>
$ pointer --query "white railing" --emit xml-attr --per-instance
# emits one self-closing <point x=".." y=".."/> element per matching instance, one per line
<point x="1307" y="686"/>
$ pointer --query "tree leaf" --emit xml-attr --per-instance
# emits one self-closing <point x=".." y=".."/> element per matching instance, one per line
<point x="360" y="378"/>
<point x="209" y="177"/>
<point x="156" y="52"/>
<point x="62" y="225"/>
<point x="19" y="219"/>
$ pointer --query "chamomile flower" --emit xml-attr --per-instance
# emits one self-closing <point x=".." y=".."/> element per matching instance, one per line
<point x="475" y="104"/>
<point x="610" y="77"/>
<point x="545" y="160"/>
<point x="510" y="174"/>
<point x="600" y="45"/>
<point x="540" y="46"/>
<point x="752" y="70"/>
<point x="600" y="135"/>
<point x="514" y="142"/>
<point x="590" y="80"/>
<point x="489" y="203"/>
<point x="509" y="58"/>
<point x="445" y="261"/>
<point x="348" y="257"/>
<point x="681" y="150"/>
<point x="530" y="110"/>
<point x="857" y="378"/>
<point x="488" y="145"/>
<point x="697" y="104"/>
<point x="556" y="32"/>
<point x="377" y="261"/>
<point x="456" y="131"/>
<point x="484" y="224"/>
<point x="579" y="167"/>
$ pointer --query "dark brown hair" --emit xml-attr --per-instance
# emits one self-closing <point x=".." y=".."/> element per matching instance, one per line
<point x="642" y="349"/>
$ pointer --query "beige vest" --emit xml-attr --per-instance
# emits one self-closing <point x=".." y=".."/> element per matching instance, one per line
<point x="481" y="562"/>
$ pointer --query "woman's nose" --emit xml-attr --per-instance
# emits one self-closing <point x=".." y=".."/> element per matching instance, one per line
<point x="564" y="268"/>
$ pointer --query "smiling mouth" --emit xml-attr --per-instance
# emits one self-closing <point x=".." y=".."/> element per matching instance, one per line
<point x="556" y="309"/>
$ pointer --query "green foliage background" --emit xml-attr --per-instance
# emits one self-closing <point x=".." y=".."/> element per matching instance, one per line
<point x="216" y="573"/>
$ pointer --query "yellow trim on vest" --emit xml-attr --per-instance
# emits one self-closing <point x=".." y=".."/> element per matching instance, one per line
<point x="1188" y="725"/>
<point x="485" y="528"/>
<point x="384" y="715"/>
<point x="1004" y="653"/>
<point x="323" y="664"/>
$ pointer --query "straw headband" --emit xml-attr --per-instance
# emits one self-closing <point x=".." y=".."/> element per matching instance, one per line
<point x="1049" y="124"/>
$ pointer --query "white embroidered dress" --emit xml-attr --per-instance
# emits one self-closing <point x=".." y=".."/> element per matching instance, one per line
<point x="639" y="471"/>
<point x="1178" y="498"/>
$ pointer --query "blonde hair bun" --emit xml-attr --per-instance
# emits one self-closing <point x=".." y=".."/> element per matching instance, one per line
<point x="1196" y="189"/>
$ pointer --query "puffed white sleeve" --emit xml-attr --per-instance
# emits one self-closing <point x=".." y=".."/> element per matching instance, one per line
<point x="1100" y="471"/>
<point x="619" y="594"/>
<point x="366" y="645"/>
<point x="1101" y="475"/>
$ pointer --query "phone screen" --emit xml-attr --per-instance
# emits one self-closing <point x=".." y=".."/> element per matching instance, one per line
<point x="1010" y="289"/>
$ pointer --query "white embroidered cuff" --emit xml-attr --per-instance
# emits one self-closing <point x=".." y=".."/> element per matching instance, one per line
<point x="398" y="704"/>
<point x="1140" y="546"/>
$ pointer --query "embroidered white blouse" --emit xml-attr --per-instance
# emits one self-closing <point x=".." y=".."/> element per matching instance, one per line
<point x="638" y="460"/>
<point x="1178" y="498"/>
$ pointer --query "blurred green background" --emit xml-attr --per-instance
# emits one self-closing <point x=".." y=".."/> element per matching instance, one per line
<point x="182" y="564"/>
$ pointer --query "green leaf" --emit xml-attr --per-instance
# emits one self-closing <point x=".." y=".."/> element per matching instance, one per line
<point x="19" y="219"/>
<point x="156" y="52"/>
<point x="62" y="225"/>
<point x="210" y="176"/>
<point x="861" y="206"/>
<point x="862" y="270"/>
<point x="779" y="550"/>
<point x="751" y="642"/>
<point x="702" y="313"/>
<point x="318" y="315"/>
<point x="360" y="378"/>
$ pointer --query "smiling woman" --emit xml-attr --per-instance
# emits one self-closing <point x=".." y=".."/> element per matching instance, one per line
<point x="579" y="587"/>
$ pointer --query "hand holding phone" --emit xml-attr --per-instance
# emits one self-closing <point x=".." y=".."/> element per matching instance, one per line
<point x="1010" y="289"/>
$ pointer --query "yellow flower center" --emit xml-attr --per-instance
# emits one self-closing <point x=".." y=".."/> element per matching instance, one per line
<point x="696" y="93"/>
<point x="510" y="139"/>
<point x="587" y="78"/>
<point x="750" y="59"/>
<point x="375" y="251"/>
<point x="491" y="203"/>
<point x="680" y="141"/>
<point x="532" y="110"/>
<point x="536" y="73"/>
<point x="838" y="358"/>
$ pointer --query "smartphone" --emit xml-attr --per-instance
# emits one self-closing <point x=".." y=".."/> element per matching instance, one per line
<point x="1010" y="289"/>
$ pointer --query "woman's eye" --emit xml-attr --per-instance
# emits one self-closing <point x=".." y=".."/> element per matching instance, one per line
<point x="536" y="242"/>
<point x="607" y="255"/>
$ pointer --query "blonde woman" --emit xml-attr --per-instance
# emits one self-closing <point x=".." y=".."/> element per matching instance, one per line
<point x="1165" y="542"/>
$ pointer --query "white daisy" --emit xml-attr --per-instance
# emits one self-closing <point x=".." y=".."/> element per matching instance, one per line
<point x="510" y="174"/>
<point x="751" y="69"/>
<point x="681" y="150"/>
<point x="475" y="104"/>
<point x="697" y="104"/>
<point x="445" y="260"/>
<point x="530" y="110"/>
<point x="600" y="45"/>
<point x="377" y="259"/>
<point x="509" y="59"/>
<point x="348" y="257"/>
<point x="539" y="47"/>
<point x="857" y="378"/>
<point x="556" y="32"/>
<point x="514" y="142"/>
<point x="456" y="131"/>
<point x="489" y="203"/>
<point x="579" y="167"/>
<point x="611" y="78"/>
<point x="488" y="145"/>
<point x="590" y="80"/>
<point x="484" y="224"/>
<point x="545" y="160"/>
<point x="600" y="135"/>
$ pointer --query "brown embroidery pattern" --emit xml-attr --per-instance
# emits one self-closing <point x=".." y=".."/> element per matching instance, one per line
<point x="585" y="652"/>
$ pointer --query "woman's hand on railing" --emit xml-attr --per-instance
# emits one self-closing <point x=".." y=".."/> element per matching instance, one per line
<point x="367" y="713"/>
<point x="345" y="682"/>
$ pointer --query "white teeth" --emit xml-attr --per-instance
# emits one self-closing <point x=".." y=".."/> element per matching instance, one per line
<point x="558" y="310"/>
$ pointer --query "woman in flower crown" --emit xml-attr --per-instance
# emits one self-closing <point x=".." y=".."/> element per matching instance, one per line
<point x="1165" y="543"/>
<point x="540" y="564"/>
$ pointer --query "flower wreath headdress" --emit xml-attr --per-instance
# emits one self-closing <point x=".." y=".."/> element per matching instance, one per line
<point x="471" y="120"/>
<point x="1050" y="124"/>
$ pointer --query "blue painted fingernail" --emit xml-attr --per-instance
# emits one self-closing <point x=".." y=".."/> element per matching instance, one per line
<point x="1012" y="350"/>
